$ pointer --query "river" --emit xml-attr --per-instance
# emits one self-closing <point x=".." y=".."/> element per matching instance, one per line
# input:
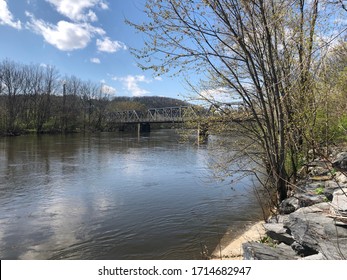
<point x="115" y="196"/>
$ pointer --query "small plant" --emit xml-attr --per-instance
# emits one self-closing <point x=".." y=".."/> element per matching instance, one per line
<point x="268" y="240"/>
<point x="333" y="172"/>
<point x="319" y="190"/>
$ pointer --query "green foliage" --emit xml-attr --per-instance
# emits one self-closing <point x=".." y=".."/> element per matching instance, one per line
<point x="333" y="172"/>
<point x="329" y="129"/>
<point x="319" y="190"/>
<point x="331" y="115"/>
<point x="268" y="240"/>
<point x="342" y="125"/>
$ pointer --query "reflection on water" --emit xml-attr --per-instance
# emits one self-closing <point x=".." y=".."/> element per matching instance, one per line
<point x="113" y="196"/>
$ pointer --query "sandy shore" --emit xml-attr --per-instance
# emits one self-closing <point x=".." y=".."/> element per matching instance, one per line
<point x="231" y="249"/>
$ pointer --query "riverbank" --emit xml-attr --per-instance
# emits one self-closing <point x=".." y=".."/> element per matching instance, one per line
<point x="231" y="248"/>
<point x="311" y="224"/>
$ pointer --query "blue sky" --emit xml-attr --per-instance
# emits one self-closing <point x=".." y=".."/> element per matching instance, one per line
<point x="85" y="38"/>
<point x="88" y="39"/>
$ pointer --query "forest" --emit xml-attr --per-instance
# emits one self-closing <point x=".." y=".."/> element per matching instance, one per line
<point x="37" y="99"/>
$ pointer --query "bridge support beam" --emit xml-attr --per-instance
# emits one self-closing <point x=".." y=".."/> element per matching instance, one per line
<point x="202" y="133"/>
<point x="143" y="127"/>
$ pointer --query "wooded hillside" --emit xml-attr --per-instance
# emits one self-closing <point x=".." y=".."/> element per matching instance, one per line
<point x="37" y="99"/>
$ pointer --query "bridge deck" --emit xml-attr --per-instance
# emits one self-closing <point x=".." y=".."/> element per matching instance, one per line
<point x="154" y="115"/>
<point x="163" y="115"/>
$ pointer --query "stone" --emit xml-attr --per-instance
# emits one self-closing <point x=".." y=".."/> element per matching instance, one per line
<point x="340" y="162"/>
<point x="339" y="202"/>
<point x="316" y="257"/>
<point x="318" y="163"/>
<point x="322" y="207"/>
<point x="302" y="250"/>
<point x="319" y="171"/>
<point x="278" y="219"/>
<point x="310" y="187"/>
<point x="331" y="185"/>
<point x="283" y="246"/>
<point x="340" y="178"/>
<point x="289" y="205"/>
<point x="307" y="199"/>
<point x="329" y="188"/>
<point x="279" y="233"/>
<point x="311" y="228"/>
<point x="328" y="194"/>
<point x="260" y="251"/>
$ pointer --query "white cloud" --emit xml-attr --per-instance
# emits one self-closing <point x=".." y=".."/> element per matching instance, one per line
<point x="65" y="36"/>
<point x="95" y="60"/>
<point x="105" y="89"/>
<point x="6" y="17"/>
<point x="103" y="5"/>
<point x="78" y="10"/>
<point x="106" y="45"/>
<point x="92" y="16"/>
<point x="131" y="83"/>
<point x="218" y="95"/>
<point x="77" y="32"/>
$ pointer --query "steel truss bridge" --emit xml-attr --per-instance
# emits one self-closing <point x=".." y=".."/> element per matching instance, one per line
<point x="168" y="114"/>
<point x="155" y="115"/>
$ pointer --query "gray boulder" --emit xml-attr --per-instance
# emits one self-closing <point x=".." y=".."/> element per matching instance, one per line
<point x="340" y="162"/>
<point x="319" y="171"/>
<point x="311" y="228"/>
<point x="331" y="185"/>
<point x="308" y="199"/>
<point x="279" y="233"/>
<point x="339" y="203"/>
<point x="315" y="257"/>
<point x="329" y="188"/>
<point x="289" y="205"/>
<point x="341" y="178"/>
<point x="318" y="163"/>
<point x="302" y="250"/>
<point x="260" y="251"/>
<point x="277" y="219"/>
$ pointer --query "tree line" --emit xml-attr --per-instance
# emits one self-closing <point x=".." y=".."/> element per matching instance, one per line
<point x="36" y="98"/>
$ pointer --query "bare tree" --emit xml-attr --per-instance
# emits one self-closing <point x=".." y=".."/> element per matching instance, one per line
<point x="49" y="87"/>
<point x="88" y="93"/>
<point x="71" y="106"/>
<point x="260" y="51"/>
<point x="12" y="86"/>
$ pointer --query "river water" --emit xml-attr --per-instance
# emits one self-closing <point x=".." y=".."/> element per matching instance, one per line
<point x="115" y="196"/>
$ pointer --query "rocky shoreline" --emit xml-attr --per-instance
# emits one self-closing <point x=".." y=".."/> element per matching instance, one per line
<point x="312" y="223"/>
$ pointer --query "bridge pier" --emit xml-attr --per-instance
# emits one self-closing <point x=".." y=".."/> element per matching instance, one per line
<point x="202" y="133"/>
<point x="143" y="127"/>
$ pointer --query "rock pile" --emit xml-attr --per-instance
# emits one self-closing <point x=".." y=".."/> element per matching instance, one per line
<point x="312" y="224"/>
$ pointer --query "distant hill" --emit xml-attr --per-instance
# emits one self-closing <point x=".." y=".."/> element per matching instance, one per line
<point x="152" y="101"/>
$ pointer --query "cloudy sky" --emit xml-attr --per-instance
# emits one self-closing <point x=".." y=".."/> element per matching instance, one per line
<point x="85" y="38"/>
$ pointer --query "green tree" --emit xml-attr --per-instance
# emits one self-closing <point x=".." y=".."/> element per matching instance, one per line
<point x="332" y="119"/>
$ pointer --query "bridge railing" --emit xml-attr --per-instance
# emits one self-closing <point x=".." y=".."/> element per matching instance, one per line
<point x="159" y="115"/>
<point x="172" y="114"/>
